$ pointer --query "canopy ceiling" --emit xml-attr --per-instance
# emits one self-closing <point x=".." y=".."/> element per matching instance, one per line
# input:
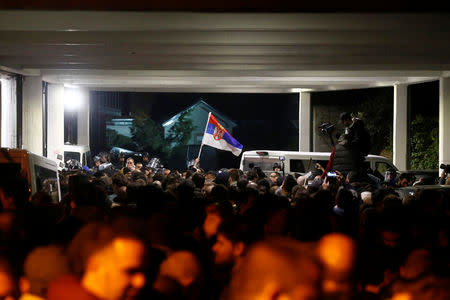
<point x="225" y="52"/>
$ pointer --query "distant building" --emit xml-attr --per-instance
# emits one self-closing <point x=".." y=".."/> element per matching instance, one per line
<point x="104" y="106"/>
<point x="121" y="125"/>
<point x="199" y="115"/>
<point x="210" y="158"/>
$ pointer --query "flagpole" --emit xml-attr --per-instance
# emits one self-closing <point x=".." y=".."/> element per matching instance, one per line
<point x="206" y="127"/>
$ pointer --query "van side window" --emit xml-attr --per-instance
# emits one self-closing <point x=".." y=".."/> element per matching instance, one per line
<point x="297" y="165"/>
<point x="305" y="165"/>
<point x="381" y="167"/>
<point x="46" y="181"/>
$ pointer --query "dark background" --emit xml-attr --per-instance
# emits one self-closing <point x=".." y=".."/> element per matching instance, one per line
<point x="265" y="121"/>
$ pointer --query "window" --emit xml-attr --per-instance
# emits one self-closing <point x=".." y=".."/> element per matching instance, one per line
<point x="266" y="164"/>
<point x="71" y="155"/>
<point x="47" y="182"/>
<point x="305" y="165"/>
<point x="381" y="168"/>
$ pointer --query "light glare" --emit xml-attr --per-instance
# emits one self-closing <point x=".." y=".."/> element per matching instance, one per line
<point x="72" y="99"/>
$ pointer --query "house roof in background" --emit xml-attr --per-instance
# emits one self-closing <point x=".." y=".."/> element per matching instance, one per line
<point x="206" y="107"/>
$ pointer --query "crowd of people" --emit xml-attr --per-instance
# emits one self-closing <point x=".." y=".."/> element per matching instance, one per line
<point x="135" y="232"/>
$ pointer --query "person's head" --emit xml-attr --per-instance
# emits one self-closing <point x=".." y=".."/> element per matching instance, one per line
<point x="344" y="198"/>
<point x="234" y="175"/>
<point x="199" y="180"/>
<point x="145" y="157"/>
<point x="276" y="167"/>
<point x="104" y="157"/>
<point x="8" y="285"/>
<point x="119" y="181"/>
<point x="210" y="176"/>
<point x="418" y="262"/>
<point x="274" y="176"/>
<point x="130" y="163"/>
<point x="405" y="180"/>
<point x="222" y="177"/>
<point x="183" y="266"/>
<point x="252" y="175"/>
<point x="138" y="166"/>
<point x="108" y="262"/>
<point x="42" y="265"/>
<point x="232" y="238"/>
<point x="166" y="172"/>
<point x="14" y="192"/>
<point x="97" y="161"/>
<point x="277" y="268"/>
<point x="337" y="253"/>
<point x="346" y="118"/>
<point x="288" y="184"/>
<point x="263" y="186"/>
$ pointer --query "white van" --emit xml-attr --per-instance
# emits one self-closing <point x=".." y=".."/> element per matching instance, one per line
<point x="302" y="162"/>
<point x="81" y="153"/>
<point x="41" y="172"/>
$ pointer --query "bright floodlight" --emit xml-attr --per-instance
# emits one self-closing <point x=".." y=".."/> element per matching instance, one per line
<point x="72" y="99"/>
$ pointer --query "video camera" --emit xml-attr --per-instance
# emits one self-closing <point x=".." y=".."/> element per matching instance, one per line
<point x="445" y="167"/>
<point x="326" y="128"/>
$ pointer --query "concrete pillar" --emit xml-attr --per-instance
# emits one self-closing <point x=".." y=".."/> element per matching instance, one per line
<point x="32" y="114"/>
<point x="8" y="111"/>
<point x="400" y="126"/>
<point x="83" y="118"/>
<point x="304" y="122"/>
<point x="444" y="120"/>
<point x="55" y="119"/>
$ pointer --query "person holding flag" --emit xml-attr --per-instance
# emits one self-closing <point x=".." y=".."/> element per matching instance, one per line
<point x="218" y="137"/>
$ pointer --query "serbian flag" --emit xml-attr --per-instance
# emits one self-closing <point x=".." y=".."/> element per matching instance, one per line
<point x="218" y="137"/>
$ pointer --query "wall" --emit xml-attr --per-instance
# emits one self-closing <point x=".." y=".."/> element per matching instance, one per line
<point x="32" y="114"/>
<point x="55" y="119"/>
<point x="8" y="111"/>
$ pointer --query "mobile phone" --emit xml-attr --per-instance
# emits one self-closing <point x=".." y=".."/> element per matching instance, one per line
<point x="331" y="174"/>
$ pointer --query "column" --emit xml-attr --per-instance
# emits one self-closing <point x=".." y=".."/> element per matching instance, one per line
<point x="8" y="111"/>
<point x="444" y="120"/>
<point x="304" y="122"/>
<point x="83" y="118"/>
<point x="55" y="119"/>
<point x="400" y="126"/>
<point x="32" y="115"/>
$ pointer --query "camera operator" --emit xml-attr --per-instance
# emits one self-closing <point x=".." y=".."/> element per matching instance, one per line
<point x="353" y="146"/>
<point x="444" y="179"/>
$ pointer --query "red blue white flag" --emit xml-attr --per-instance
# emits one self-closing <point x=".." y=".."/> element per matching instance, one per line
<point x="218" y="137"/>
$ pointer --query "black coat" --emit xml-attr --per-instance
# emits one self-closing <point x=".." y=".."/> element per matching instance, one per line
<point x="346" y="160"/>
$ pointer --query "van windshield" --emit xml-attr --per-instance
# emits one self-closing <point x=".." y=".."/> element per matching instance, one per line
<point x="71" y="155"/>
<point x="306" y="165"/>
<point x="47" y="182"/>
<point x="265" y="163"/>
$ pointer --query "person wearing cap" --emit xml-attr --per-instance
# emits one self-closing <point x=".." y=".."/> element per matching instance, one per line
<point x="121" y="163"/>
<point x="97" y="163"/>
<point x="145" y="159"/>
<point x="222" y="177"/>
<point x="356" y="135"/>
<point x="42" y="265"/>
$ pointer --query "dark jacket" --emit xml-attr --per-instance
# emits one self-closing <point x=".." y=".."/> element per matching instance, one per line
<point x="345" y="160"/>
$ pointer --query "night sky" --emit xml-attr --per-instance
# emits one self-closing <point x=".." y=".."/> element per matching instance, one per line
<point x="263" y="120"/>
